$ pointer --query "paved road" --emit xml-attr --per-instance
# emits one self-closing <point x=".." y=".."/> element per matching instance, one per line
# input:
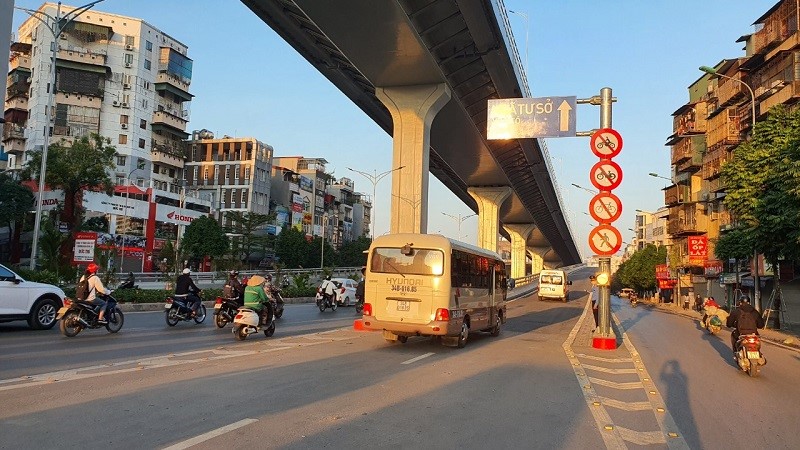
<point x="317" y="383"/>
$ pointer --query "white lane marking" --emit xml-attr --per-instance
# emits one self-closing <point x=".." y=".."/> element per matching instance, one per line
<point x="642" y="437"/>
<point x="210" y="435"/>
<point x="413" y="360"/>
<point x="615" y="385"/>
<point x="600" y="358"/>
<point x="608" y="370"/>
<point x="626" y="406"/>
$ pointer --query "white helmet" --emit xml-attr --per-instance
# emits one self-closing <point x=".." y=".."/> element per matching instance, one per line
<point x="186" y="270"/>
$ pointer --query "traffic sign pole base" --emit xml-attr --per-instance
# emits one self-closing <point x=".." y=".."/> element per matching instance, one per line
<point x="604" y="343"/>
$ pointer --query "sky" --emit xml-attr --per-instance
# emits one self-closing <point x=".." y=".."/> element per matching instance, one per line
<point x="248" y="82"/>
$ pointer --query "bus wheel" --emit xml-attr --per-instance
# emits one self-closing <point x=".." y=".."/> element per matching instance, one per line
<point x="462" y="337"/>
<point x="402" y="339"/>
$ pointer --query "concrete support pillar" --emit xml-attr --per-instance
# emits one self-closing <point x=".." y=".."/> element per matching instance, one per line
<point x="537" y="262"/>
<point x="489" y="199"/>
<point x="413" y="109"/>
<point x="519" y="234"/>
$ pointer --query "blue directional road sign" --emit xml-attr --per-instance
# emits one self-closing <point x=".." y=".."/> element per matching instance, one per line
<point x="512" y="118"/>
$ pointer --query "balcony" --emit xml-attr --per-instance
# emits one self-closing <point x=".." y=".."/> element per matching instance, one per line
<point x="783" y="93"/>
<point x="684" y="224"/>
<point x="166" y="153"/>
<point x="162" y="117"/>
<point x="687" y="148"/>
<point x="723" y="129"/>
<point x="726" y="222"/>
<point x="690" y="119"/>
<point x="82" y="56"/>
<point x="176" y="86"/>
<point x="730" y="91"/>
<point x="19" y="61"/>
<point x="17" y="102"/>
<point x="677" y="194"/>
<point x="773" y="33"/>
<point x="691" y="165"/>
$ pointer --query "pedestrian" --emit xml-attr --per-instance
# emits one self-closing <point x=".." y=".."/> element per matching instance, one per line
<point x="686" y="301"/>
<point x="698" y="303"/>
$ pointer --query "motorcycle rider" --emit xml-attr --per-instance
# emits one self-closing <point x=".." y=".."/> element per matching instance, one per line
<point x="286" y="283"/>
<point x="744" y="320"/>
<point x="233" y="288"/>
<point x="328" y="289"/>
<point x="360" y="287"/>
<point x="256" y="298"/>
<point x="271" y="289"/>
<point x="185" y="287"/>
<point x="129" y="282"/>
<point x="95" y="286"/>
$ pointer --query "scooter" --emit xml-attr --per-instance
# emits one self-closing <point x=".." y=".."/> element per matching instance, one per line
<point x="176" y="309"/>
<point x="76" y="315"/>
<point x="278" y="302"/>
<point x="248" y="321"/>
<point x="748" y="354"/>
<point x="634" y="300"/>
<point x="713" y="318"/>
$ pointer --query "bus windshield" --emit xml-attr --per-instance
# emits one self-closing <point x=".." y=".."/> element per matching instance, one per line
<point x="421" y="261"/>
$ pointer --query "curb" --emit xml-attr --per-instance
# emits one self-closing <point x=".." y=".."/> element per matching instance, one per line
<point x="766" y="339"/>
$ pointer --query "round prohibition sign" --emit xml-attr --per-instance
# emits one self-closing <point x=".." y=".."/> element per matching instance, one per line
<point x="606" y="175"/>
<point x="606" y="143"/>
<point x="605" y="207"/>
<point x="605" y="240"/>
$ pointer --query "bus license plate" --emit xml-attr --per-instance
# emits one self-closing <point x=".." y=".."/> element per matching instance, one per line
<point x="403" y="305"/>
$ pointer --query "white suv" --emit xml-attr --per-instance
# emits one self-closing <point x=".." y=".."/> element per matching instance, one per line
<point x="25" y="300"/>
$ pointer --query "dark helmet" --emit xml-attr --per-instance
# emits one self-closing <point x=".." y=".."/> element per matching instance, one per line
<point x="269" y="277"/>
<point x="744" y="299"/>
<point x="234" y="273"/>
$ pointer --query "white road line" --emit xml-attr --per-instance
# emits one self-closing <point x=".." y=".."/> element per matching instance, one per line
<point x="600" y="358"/>
<point x="641" y="437"/>
<point x="615" y="385"/>
<point x="626" y="406"/>
<point x="608" y="370"/>
<point x="210" y="435"/>
<point x="413" y="360"/>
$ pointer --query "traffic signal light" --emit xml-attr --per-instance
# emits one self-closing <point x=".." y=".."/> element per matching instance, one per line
<point x="603" y="279"/>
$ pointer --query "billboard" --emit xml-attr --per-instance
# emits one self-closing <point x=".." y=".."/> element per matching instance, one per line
<point x="83" y="251"/>
<point x="306" y="184"/>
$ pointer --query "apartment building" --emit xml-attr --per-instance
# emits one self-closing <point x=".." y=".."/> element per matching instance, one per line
<point x="117" y="76"/>
<point x="234" y="174"/>
<point x="651" y="228"/>
<point x="719" y="116"/>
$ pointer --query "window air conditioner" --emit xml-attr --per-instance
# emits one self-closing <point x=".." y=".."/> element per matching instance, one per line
<point x="128" y="65"/>
<point x="126" y="86"/>
<point x="63" y="36"/>
<point x="128" y="47"/>
<point x="115" y="103"/>
<point x="124" y="126"/>
<point x="124" y="104"/>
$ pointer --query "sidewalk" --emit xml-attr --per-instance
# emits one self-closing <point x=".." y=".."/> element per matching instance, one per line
<point x="789" y="339"/>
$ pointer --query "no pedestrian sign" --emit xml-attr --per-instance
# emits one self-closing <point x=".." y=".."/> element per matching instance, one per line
<point x="605" y="240"/>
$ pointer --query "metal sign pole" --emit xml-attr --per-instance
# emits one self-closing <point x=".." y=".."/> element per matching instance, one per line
<point x="604" y="304"/>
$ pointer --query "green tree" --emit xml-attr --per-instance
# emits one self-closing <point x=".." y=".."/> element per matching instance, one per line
<point x="351" y="254"/>
<point x="314" y="254"/>
<point x="204" y="237"/>
<point x="83" y="165"/>
<point x="15" y="202"/>
<point x="639" y="271"/>
<point x="249" y="230"/>
<point x="291" y="248"/>
<point x="762" y="185"/>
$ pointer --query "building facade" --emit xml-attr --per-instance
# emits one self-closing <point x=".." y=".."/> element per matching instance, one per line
<point x="231" y="173"/>
<point x="116" y="76"/>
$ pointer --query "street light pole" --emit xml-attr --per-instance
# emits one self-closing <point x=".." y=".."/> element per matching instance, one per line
<point x="56" y="26"/>
<point x="460" y="220"/>
<point x="756" y="279"/>
<point x="374" y="178"/>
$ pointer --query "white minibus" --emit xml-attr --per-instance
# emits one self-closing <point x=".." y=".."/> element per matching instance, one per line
<point x="430" y="285"/>
<point x="554" y="284"/>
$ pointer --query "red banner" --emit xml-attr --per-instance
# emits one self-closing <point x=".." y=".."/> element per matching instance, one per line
<point x="662" y="272"/>
<point x="698" y="249"/>
<point x="667" y="284"/>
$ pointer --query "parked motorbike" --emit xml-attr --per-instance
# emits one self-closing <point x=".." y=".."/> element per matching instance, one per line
<point x="225" y="310"/>
<point x="748" y="354"/>
<point x="77" y="315"/>
<point x="176" y="309"/>
<point x="325" y="301"/>
<point x="247" y="321"/>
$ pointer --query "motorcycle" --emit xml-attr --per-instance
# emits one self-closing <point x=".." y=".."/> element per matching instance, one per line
<point x="176" y="309"/>
<point x="713" y="318"/>
<point x="634" y="300"/>
<point x="325" y="301"/>
<point x="225" y="310"/>
<point x="278" y="302"/>
<point x="359" y="306"/>
<point x="248" y="321"/>
<point x="748" y="354"/>
<point x="76" y="315"/>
